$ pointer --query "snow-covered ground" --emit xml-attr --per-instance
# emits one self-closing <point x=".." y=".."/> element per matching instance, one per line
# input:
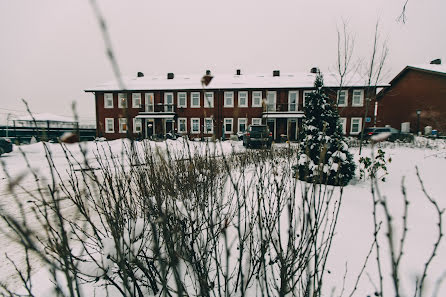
<point x="354" y="234"/>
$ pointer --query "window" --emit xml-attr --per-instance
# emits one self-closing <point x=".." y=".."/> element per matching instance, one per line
<point x="182" y="99"/>
<point x="122" y="125"/>
<point x="228" y="126"/>
<point x="343" y="123"/>
<point x="242" y="123"/>
<point x="195" y="125"/>
<point x="257" y="99"/>
<point x="149" y="102"/>
<point x="195" y="99"/>
<point x="271" y="100"/>
<point x="243" y="99"/>
<point x="108" y="100"/>
<point x="358" y="98"/>
<point x="137" y="125"/>
<point x="293" y="97"/>
<point x="136" y="100"/>
<point x="182" y="125"/>
<point x="209" y="100"/>
<point x="229" y="99"/>
<point x="208" y="125"/>
<point x="109" y="125"/>
<point x="306" y="96"/>
<point x="122" y="100"/>
<point x="356" y="125"/>
<point x="168" y="102"/>
<point x="256" y="121"/>
<point x="343" y="98"/>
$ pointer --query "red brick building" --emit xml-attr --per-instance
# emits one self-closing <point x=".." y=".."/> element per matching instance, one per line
<point x="416" y="88"/>
<point x="154" y="106"/>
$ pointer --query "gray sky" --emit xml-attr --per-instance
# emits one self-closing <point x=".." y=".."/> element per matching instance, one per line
<point x="51" y="50"/>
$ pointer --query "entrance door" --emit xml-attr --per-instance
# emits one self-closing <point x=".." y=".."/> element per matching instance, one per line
<point x="150" y="128"/>
<point x="292" y="130"/>
<point x="272" y="127"/>
<point x="170" y="132"/>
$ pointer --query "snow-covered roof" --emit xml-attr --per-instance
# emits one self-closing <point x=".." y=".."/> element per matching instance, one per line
<point x="430" y="67"/>
<point x="224" y="81"/>
<point x="45" y="117"/>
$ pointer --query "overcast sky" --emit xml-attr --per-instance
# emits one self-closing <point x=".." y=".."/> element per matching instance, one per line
<point x="51" y="50"/>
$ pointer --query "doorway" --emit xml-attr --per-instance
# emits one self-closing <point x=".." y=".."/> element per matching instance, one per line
<point x="150" y="128"/>
<point x="272" y="127"/>
<point x="292" y="129"/>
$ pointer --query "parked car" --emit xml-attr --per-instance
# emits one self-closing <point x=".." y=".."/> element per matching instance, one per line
<point x="257" y="135"/>
<point x="394" y="133"/>
<point x="5" y="145"/>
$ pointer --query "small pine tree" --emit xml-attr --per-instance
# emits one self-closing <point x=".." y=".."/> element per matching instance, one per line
<point x="324" y="156"/>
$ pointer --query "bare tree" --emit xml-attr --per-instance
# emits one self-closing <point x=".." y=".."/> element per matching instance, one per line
<point x="346" y="46"/>
<point x="374" y="72"/>
<point x="402" y="17"/>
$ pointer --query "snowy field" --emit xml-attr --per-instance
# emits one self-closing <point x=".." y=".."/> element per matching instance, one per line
<point x="354" y="235"/>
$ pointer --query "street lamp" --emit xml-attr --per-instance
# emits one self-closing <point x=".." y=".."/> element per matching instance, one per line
<point x="418" y="121"/>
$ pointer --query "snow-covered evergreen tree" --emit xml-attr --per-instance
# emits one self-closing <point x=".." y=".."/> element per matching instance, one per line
<point x="324" y="156"/>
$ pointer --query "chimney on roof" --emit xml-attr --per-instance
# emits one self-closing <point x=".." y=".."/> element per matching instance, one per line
<point x="140" y="74"/>
<point x="436" y="62"/>
<point x="208" y="72"/>
<point x="276" y="73"/>
<point x="238" y="72"/>
<point x="170" y="75"/>
<point x="315" y="70"/>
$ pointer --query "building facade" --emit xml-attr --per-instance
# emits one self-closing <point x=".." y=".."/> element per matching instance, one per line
<point x="416" y="98"/>
<point x="148" y="107"/>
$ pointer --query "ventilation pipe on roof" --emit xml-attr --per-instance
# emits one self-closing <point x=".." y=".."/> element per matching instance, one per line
<point x="436" y="62"/>
<point x="238" y="72"/>
<point x="170" y="75"/>
<point x="276" y="73"/>
<point x="140" y="74"/>
<point x="315" y="70"/>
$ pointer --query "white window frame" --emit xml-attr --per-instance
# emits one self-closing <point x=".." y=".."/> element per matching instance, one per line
<point x="361" y="98"/>
<point x="296" y="104"/>
<point x="343" y="122"/>
<point x="208" y="100"/>
<point x="107" y="100"/>
<point x="179" y="125"/>
<point x="180" y="104"/>
<point x="137" y="123"/>
<point x="229" y="95"/>
<point x="271" y="104"/>
<point x="345" y="98"/>
<point x="245" y="94"/>
<point x="359" y="126"/>
<point x="168" y="106"/>
<point x="122" y="122"/>
<point x="256" y="95"/>
<point x="205" y="128"/>
<point x="109" y="123"/>
<point x="239" y="122"/>
<point x="229" y="120"/>
<point x="192" y="131"/>
<point x="121" y="102"/>
<point x="136" y="98"/>
<point x="192" y="95"/>
<point x="256" y="121"/>
<point x="305" y="94"/>
<point x="147" y="101"/>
